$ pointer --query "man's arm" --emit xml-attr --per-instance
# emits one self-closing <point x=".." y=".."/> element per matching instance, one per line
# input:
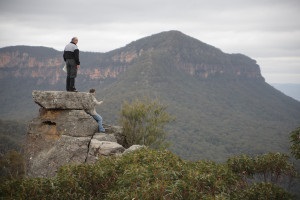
<point x="76" y="54"/>
<point x="99" y="102"/>
<point x="64" y="56"/>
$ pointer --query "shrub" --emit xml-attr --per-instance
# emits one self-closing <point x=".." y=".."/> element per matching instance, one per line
<point x="144" y="123"/>
<point x="264" y="191"/>
<point x="37" y="188"/>
<point x="143" y="174"/>
<point x="273" y="168"/>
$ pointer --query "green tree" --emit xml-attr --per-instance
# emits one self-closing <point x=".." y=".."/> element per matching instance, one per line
<point x="144" y="121"/>
<point x="295" y="140"/>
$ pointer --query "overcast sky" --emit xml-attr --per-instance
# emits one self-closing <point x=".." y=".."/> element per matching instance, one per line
<point x="265" y="30"/>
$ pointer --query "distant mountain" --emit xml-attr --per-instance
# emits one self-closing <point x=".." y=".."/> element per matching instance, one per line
<point x="221" y="102"/>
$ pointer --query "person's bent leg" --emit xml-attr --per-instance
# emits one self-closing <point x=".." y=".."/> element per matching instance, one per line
<point x="98" y="118"/>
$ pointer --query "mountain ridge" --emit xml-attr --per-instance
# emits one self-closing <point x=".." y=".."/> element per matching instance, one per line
<point x="213" y="61"/>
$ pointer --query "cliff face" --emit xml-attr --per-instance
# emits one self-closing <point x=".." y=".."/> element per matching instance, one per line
<point x="205" y="71"/>
<point x="19" y="64"/>
<point x="64" y="133"/>
<point x="24" y="64"/>
<point x="26" y="60"/>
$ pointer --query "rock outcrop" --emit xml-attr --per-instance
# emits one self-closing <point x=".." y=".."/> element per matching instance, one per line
<point x="64" y="133"/>
<point x="60" y="100"/>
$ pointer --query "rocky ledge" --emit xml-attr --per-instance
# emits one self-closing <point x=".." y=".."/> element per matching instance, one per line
<point x="63" y="133"/>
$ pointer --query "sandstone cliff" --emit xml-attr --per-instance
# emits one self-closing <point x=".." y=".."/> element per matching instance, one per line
<point x="45" y="64"/>
<point x="64" y="133"/>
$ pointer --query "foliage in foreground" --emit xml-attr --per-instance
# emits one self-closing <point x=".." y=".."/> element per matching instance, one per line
<point x="149" y="174"/>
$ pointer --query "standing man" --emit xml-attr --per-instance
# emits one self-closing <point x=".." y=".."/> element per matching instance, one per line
<point x="71" y="57"/>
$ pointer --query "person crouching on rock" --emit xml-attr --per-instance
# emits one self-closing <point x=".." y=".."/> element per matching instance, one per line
<point x="93" y="112"/>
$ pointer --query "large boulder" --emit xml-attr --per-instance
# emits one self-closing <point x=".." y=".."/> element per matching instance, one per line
<point x="56" y="138"/>
<point x="46" y="155"/>
<point x="63" y="100"/>
<point x="100" y="148"/>
<point x="76" y="123"/>
<point x="105" y="148"/>
<point x="105" y="137"/>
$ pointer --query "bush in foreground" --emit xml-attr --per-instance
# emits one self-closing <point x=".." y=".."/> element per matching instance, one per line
<point x="144" y="174"/>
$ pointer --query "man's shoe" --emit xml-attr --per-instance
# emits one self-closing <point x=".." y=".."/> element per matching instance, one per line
<point x="73" y="90"/>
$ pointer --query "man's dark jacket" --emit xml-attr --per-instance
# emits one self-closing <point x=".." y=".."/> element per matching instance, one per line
<point x="71" y="52"/>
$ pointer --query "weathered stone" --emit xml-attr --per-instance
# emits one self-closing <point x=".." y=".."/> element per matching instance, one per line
<point x="55" y="123"/>
<point x="133" y="148"/>
<point x="118" y="132"/>
<point x="103" y="148"/>
<point x="105" y="137"/>
<point x="46" y="155"/>
<point x="63" y="100"/>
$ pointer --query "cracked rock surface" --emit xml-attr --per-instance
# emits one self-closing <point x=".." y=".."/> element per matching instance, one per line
<point x="63" y="133"/>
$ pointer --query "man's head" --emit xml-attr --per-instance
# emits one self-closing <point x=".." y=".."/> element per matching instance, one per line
<point x="92" y="91"/>
<point x="74" y="40"/>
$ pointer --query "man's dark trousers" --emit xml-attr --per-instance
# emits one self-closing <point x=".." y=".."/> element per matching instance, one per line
<point x="71" y="74"/>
